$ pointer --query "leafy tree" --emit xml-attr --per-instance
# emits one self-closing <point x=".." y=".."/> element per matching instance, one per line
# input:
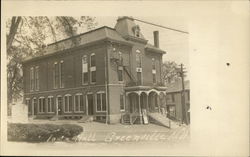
<point x="28" y="36"/>
<point x="170" y="71"/>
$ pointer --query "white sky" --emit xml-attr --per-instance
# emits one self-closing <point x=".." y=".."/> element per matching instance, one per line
<point x="174" y="43"/>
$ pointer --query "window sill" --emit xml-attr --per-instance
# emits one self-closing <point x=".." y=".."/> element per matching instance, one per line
<point x="100" y="111"/>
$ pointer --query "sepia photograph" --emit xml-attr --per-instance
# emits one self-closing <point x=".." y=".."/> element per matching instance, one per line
<point x="116" y="84"/>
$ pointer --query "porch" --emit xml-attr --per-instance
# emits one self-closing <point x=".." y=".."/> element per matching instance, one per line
<point x="142" y="101"/>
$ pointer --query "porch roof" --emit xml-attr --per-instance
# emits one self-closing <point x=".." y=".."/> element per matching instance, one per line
<point x="147" y="89"/>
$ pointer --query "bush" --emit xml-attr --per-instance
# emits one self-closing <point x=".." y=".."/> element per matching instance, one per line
<point x="42" y="132"/>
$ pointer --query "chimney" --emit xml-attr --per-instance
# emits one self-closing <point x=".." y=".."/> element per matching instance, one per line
<point x="156" y="39"/>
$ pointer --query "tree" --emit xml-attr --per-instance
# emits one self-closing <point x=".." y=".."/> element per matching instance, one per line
<point x="28" y="36"/>
<point x="169" y="71"/>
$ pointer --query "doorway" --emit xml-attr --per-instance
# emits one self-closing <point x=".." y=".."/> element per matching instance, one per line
<point x="59" y="105"/>
<point x="90" y="99"/>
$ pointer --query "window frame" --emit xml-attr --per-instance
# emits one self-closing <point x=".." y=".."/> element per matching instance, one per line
<point x="51" y="104"/>
<point x="92" y="68"/>
<point x="79" y="95"/>
<point x="101" y="98"/>
<point x="43" y="105"/>
<point x="68" y="103"/>
<point x="83" y="73"/>
<point x="32" y="77"/>
<point x="123" y="100"/>
<point x="36" y="78"/>
<point x="61" y="74"/>
<point x="55" y="77"/>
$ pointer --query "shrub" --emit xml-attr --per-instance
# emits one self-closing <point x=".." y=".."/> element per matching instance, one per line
<point x="42" y="132"/>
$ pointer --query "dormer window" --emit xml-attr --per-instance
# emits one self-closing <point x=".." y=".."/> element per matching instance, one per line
<point x="136" y="30"/>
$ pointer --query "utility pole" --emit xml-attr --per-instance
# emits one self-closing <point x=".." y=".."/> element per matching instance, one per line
<point x="184" y="110"/>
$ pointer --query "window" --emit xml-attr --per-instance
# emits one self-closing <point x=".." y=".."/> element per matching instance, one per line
<point x="120" y="73"/>
<point x="29" y="105"/>
<point x="172" y="97"/>
<point x="138" y="59"/>
<point x="101" y="102"/>
<point x="93" y="68"/>
<point x="84" y="70"/>
<point x="41" y="105"/>
<point x="122" y="105"/>
<point x="34" y="102"/>
<point x="79" y="103"/>
<point x="32" y="81"/>
<point x="56" y="75"/>
<point x="51" y="104"/>
<point x="61" y="76"/>
<point x="153" y="70"/>
<point x="136" y="30"/>
<point x="138" y="67"/>
<point x="37" y="78"/>
<point x="120" y="58"/>
<point x="68" y="103"/>
<point x="188" y="95"/>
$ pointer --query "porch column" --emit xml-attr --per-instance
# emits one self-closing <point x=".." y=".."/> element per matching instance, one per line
<point x="147" y="103"/>
<point x="32" y="108"/>
<point x="140" y="114"/>
<point x="158" y="102"/>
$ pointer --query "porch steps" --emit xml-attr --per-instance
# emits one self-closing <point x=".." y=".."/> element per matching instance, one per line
<point x="86" y="119"/>
<point x="160" y="119"/>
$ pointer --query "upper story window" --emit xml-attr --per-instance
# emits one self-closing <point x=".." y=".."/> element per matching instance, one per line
<point x="139" y="67"/>
<point x="32" y="79"/>
<point x="61" y="74"/>
<point x="136" y="30"/>
<point x="37" y="78"/>
<point x="84" y="69"/>
<point x="79" y="103"/>
<point x="153" y="70"/>
<point x="100" y="102"/>
<point x="68" y="106"/>
<point x="93" y="67"/>
<point x="138" y="59"/>
<point x="58" y="73"/>
<point x="120" y="67"/>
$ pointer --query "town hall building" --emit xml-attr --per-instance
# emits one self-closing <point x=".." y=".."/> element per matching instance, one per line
<point x="110" y="74"/>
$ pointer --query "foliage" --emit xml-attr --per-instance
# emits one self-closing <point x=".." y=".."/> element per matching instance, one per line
<point x="42" y="132"/>
<point x="170" y="71"/>
<point x="28" y="36"/>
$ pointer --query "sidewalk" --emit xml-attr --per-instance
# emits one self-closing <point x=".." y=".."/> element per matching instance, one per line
<point x="101" y="132"/>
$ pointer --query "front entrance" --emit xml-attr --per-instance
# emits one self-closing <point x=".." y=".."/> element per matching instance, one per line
<point x="59" y="105"/>
<point x="90" y="101"/>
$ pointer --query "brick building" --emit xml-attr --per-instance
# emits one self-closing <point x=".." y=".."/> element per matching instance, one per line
<point x="105" y="73"/>
<point x="174" y="103"/>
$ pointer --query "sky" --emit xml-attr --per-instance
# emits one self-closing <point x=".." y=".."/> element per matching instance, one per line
<point x="174" y="43"/>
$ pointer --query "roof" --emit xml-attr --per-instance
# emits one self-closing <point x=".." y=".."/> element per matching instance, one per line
<point x="150" y="47"/>
<point x="90" y="37"/>
<point x="98" y="34"/>
<point x="177" y="86"/>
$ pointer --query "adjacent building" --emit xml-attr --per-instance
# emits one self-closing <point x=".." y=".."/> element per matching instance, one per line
<point x="105" y="73"/>
<point x="175" y="103"/>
